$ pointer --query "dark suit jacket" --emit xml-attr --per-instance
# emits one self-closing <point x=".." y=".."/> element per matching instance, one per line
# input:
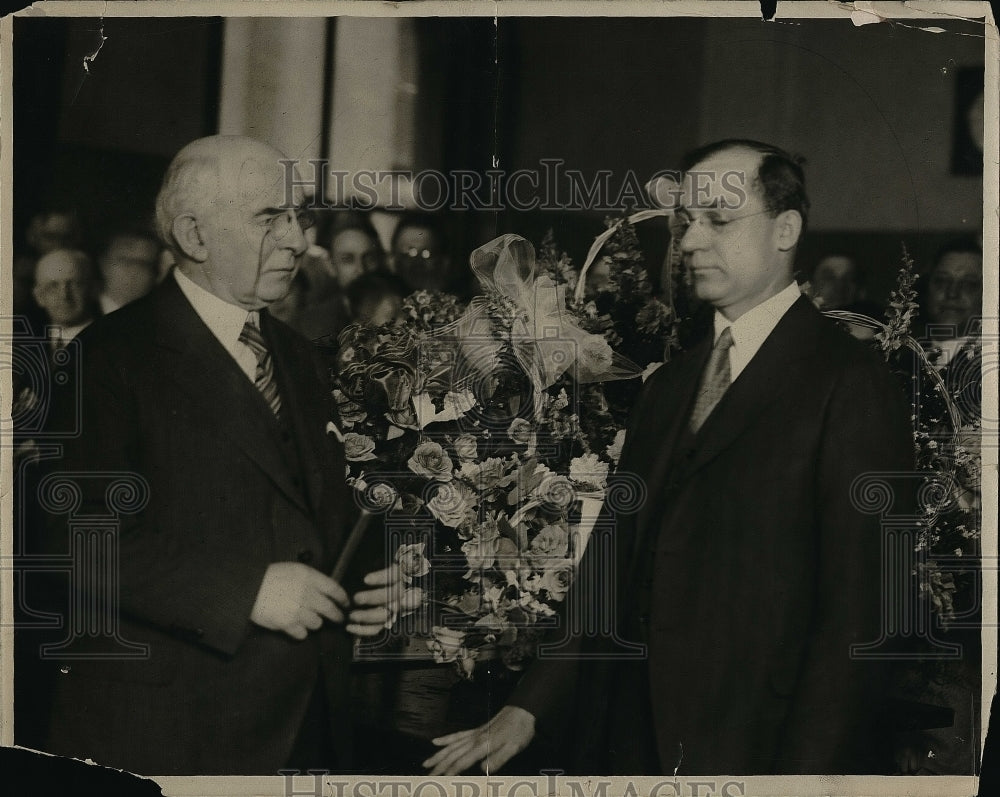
<point x="230" y="491"/>
<point x="748" y="571"/>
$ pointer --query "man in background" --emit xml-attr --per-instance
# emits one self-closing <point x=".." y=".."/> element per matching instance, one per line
<point x="954" y="307"/>
<point x="66" y="290"/>
<point x="47" y="231"/>
<point x="419" y="252"/>
<point x="954" y="301"/>
<point x="835" y="282"/>
<point x="129" y="264"/>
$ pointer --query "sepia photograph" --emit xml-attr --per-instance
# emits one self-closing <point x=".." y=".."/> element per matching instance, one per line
<point x="571" y="399"/>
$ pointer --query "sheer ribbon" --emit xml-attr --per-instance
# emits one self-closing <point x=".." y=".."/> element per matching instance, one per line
<point x="535" y="324"/>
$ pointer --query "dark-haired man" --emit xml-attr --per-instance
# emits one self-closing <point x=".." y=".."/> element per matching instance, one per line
<point x="748" y="573"/>
<point x="419" y="252"/>
<point x="954" y="309"/>
<point x="130" y="267"/>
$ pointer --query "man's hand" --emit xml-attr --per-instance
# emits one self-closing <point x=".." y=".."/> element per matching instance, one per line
<point x="494" y="743"/>
<point x="375" y="609"/>
<point x="295" y="598"/>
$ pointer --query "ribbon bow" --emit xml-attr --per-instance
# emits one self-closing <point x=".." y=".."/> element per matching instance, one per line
<point x="531" y="312"/>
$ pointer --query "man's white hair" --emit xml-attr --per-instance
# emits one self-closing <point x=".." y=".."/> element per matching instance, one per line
<point x="190" y="185"/>
<point x="197" y="175"/>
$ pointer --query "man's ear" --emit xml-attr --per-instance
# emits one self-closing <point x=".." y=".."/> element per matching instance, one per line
<point x="788" y="229"/>
<point x="189" y="238"/>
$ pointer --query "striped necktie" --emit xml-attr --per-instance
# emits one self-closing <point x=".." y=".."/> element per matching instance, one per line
<point x="714" y="381"/>
<point x="264" y="379"/>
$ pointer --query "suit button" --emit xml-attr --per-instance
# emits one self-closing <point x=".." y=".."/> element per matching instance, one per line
<point x="286" y="437"/>
<point x="305" y="556"/>
<point x="643" y="619"/>
<point x="65" y="669"/>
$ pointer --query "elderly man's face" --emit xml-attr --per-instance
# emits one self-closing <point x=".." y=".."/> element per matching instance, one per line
<point x="130" y="267"/>
<point x="253" y="242"/>
<point x="955" y="291"/>
<point x="731" y="242"/>
<point x="64" y="288"/>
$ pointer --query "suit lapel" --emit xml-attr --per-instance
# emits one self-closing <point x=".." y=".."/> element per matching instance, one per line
<point x="298" y="411"/>
<point x="754" y="390"/>
<point x="205" y="371"/>
<point x="653" y="453"/>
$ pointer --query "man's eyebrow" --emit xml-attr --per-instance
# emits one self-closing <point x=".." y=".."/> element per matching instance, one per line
<point x="274" y="211"/>
<point x="713" y="205"/>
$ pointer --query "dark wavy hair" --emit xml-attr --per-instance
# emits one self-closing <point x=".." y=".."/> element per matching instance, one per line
<point x="780" y="177"/>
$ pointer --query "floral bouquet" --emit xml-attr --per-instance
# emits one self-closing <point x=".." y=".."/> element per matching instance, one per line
<point x="946" y="413"/>
<point x="462" y="428"/>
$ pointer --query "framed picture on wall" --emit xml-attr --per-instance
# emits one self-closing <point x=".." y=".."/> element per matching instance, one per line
<point x="967" y="138"/>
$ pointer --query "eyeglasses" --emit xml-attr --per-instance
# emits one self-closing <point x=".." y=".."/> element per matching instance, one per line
<point x="279" y="223"/>
<point x="52" y="288"/>
<point x="682" y="220"/>
<point x="943" y="284"/>
<point x="417" y="254"/>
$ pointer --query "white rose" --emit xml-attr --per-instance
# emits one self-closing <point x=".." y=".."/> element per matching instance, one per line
<point x="588" y="469"/>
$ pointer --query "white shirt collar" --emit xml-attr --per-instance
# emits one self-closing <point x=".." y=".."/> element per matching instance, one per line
<point x="66" y="333"/>
<point x="225" y="320"/>
<point x="751" y="329"/>
<point x="109" y="305"/>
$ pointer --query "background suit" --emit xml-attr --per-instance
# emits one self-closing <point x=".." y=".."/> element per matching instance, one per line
<point x="232" y="490"/>
<point x="748" y="572"/>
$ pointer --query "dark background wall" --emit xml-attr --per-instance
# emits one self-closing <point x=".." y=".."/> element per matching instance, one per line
<point x="872" y="109"/>
<point x="98" y="139"/>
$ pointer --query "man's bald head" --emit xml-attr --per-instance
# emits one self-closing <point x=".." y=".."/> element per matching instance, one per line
<point x="65" y="286"/>
<point x="224" y="214"/>
<point x="204" y="173"/>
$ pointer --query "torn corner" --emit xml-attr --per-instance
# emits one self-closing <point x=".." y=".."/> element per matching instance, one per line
<point x="864" y="14"/>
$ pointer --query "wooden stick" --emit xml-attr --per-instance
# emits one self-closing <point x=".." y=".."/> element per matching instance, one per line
<point x="351" y="546"/>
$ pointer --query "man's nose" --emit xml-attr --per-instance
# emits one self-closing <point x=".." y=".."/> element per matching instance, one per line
<point x="694" y="237"/>
<point x="295" y="238"/>
<point x="953" y="290"/>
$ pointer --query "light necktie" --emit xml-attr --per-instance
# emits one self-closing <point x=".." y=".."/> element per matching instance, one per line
<point x="714" y="381"/>
<point x="264" y="379"/>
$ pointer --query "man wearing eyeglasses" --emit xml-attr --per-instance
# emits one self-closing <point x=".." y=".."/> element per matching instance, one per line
<point x="66" y="289"/>
<point x="219" y="410"/>
<point x="748" y="572"/>
<point x="954" y="302"/>
<point x="418" y="252"/>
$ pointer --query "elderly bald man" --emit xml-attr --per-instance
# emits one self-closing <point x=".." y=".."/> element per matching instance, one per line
<point x="221" y="410"/>
<point x="66" y="289"/>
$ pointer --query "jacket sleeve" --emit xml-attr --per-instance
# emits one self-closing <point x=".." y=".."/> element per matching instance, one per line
<point x="161" y="579"/>
<point x="549" y="688"/>
<point x="835" y="700"/>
